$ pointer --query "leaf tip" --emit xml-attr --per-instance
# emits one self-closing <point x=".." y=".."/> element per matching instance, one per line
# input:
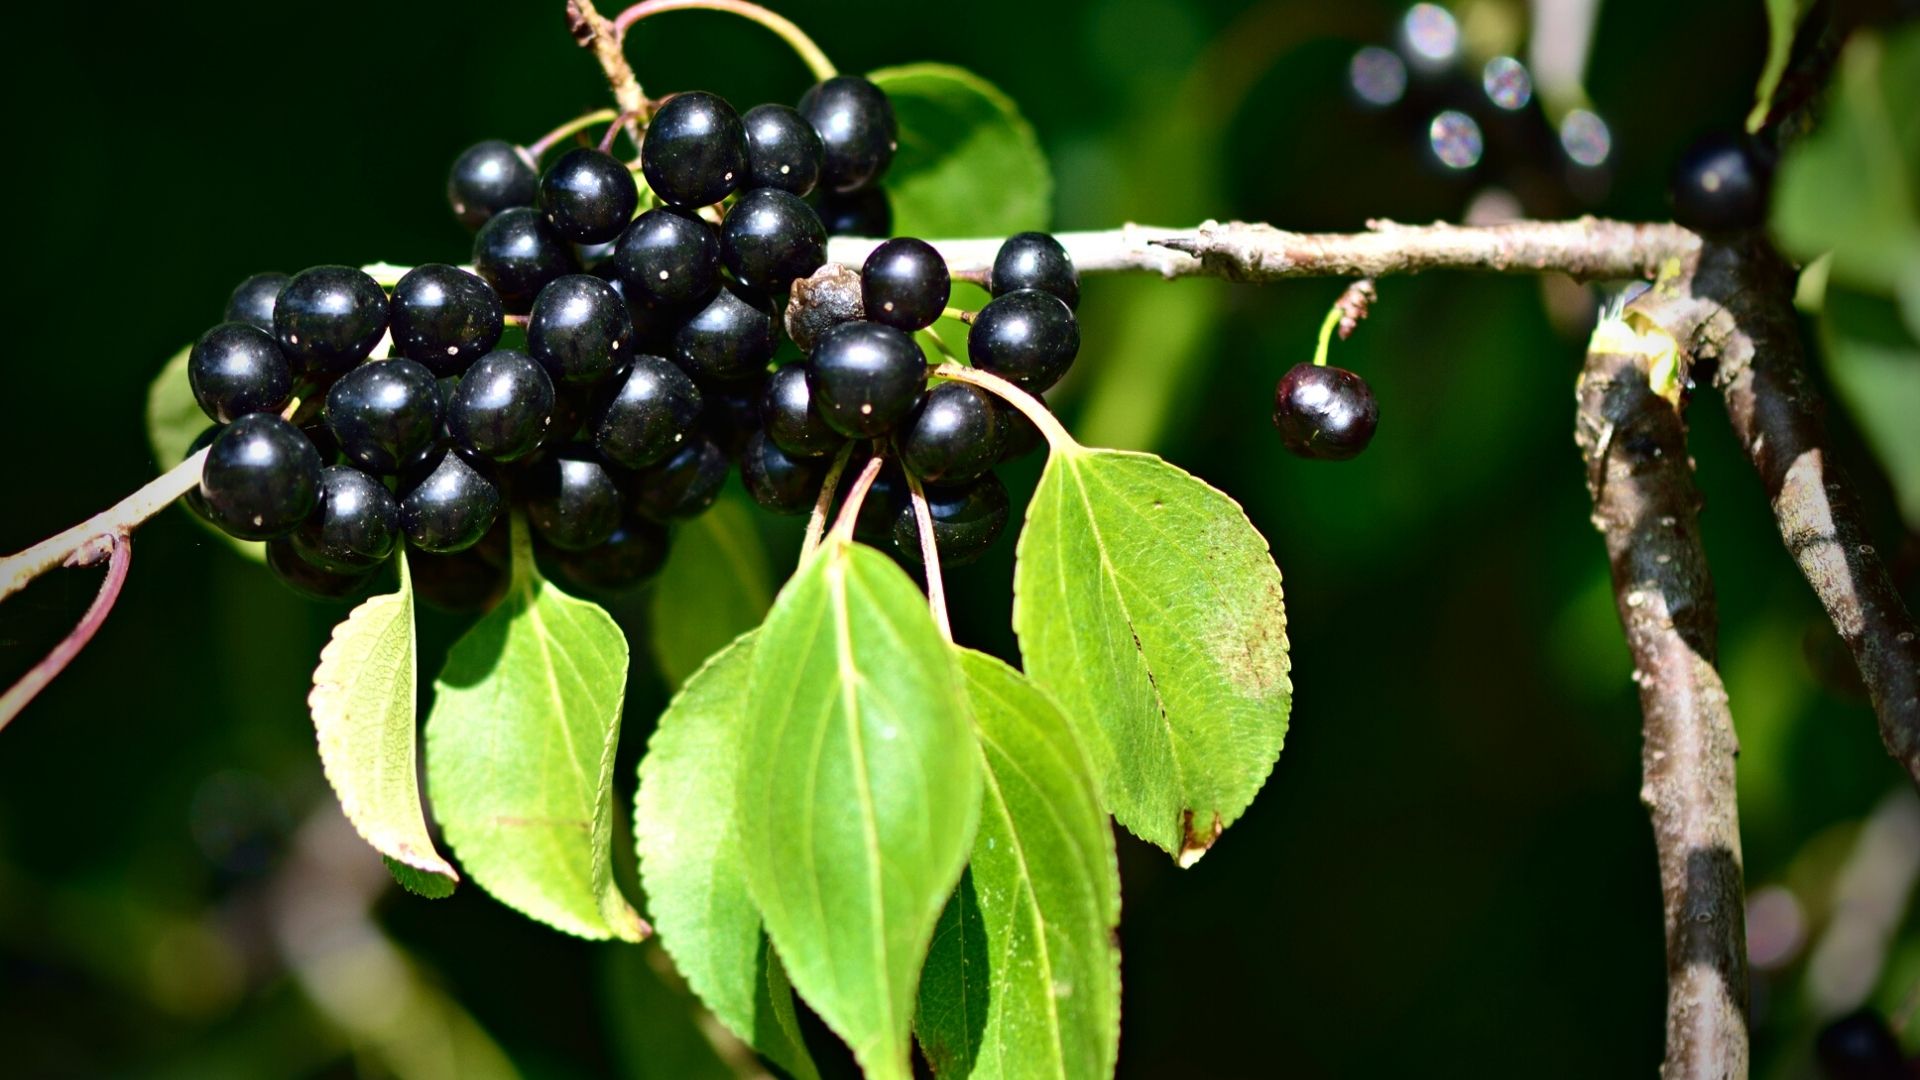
<point x="1195" y="843"/>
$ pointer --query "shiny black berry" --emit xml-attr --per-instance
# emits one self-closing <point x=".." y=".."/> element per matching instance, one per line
<point x="953" y="435"/>
<point x="487" y="178"/>
<point x="1721" y="185"/>
<point x="588" y="196"/>
<point x="1035" y="260"/>
<point x="857" y="130"/>
<point x="683" y="485"/>
<point x="695" y="152"/>
<point x="634" y="553"/>
<point x="236" y="368"/>
<point x="865" y="377"/>
<point x="328" y="318"/>
<point x="518" y="253"/>
<point x="314" y="582"/>
<point x="794" y="425"/>
<point x="1027" y="337"/>
<point x="783" y="150"/>
<point x="449" y="505"/>
<point x="860" y="213"/>
<point x="730" y="338"/>
<point x="655" y="410"/>
<point x="444" y="317"/>
<point x="1023" y="437"/>
<point x="1327" y="413"/>
<point x="354" y="525"/>
<point x="572" y="500"/>
<point x="253" y="299"/>
<point x="261" y="477"/>
<point x="905" y="284"/>
<point x="502" y="407"/>
<point x="384" y="413"/>
<point x="1860" y="1046"/>
<point x="777" y="480"/>
<point x="966" y="521"/>
<point x="580" y="330"/>
<point x="668" y="256"/>
<point x="770" y="237"/>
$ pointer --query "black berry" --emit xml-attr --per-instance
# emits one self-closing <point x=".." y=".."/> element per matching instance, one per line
<point x="1035" y="260"/>
<point x="859" y="213"/>
<point x="770" y="237"/>
<point x="857" y="131"/>
<point x="580" y="330"/>
<point x="732" y="411"/>
<point x="502" y="407"/>
<point x="778" y="481"/>
<point x="310" y="581"/>
<point x="783" y="150"/>
<point x="518" y="253"/>
<point x="354" y="524"/>
<point x="588" y="196"/>
<point x="865" y="377"/>
<point x="668" y="256"/>
<point x="656" y="408"/>
<point x="953" y="435"/>
<point x="450" y="506"/>
<point x="1721" y="185"/>
<point x="1327" y="413"/>
<point x="572" y="501"/>
<point x="1860" y="1046"/>
<point x="329" y="318"/>
<point x="683" y="485"/>
<point x="730" y="338"/>
<point x="695" y="151"/>
<point x="794" y="425"/>
<point x="487" y="178"/>
<point x="905" y="284"/>
<point x="444" y="317"/>
<point x="966" y="521"/>
<point x="1023" y="437"/>
<point x="384" y="413"/>
<point x="236" y="368"/>
<point x="634" y="553"/>
<point x="253" y="299"/>
<point x="1027" y="337"/>
<point x="261" y="477"/>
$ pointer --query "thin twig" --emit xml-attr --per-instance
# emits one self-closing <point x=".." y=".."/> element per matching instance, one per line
<point x="796" y="39"/>
<point x="1645" y="506"/>
<point x="930" y="557"/>
<point x="578" y="124"/>
<point x="817" y="521"/>
<point x="1734" y="311"/>
<point x="119" y="553"/>
<point x="117" y="520"/>
<point x="592" y="30"/>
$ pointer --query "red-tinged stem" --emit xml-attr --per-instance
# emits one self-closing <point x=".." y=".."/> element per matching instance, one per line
<point x="930" y="557"/>
<point x="857" y="494"/>
<point x="119" y="553"/>
<point x="802" y="45"/>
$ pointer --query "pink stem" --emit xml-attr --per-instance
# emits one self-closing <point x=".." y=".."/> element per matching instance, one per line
<point x="119" y="556"/>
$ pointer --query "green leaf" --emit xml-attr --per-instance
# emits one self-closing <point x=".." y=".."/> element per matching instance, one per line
<point x="716" y="586"/>
<point x="1852" y="187"/>
<point x="1783" y="22"/>
<point x="174" y="420"/>
<point x="520" y="746"/>
<point x="656" y="1028"/>
<point x="969" y="164"/>
<point x="1874" y="362"/>
<point x="419" y="882"/>
<point x="1148" y="606"/>
<point x="859" y="791"/>
<point x="684" y="826"/>
<point x="1024" y="978"/>
<point x="363" y="703"/>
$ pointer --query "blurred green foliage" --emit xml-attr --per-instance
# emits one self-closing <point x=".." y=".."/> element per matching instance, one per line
<point x="1448" y="872"/>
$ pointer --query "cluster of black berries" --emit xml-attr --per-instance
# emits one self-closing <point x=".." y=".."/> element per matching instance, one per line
<point x="604" y="371"/>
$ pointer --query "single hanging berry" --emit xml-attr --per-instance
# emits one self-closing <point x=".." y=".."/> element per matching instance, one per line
<point x="502" y="407"/>
<point x="792" y="422"/>
<point x="449" y="505"/>
<point x="668" y="256"/>
<point x="652" y="414"/>
<point x="955" y="434"/>
<point x="1327" y="413"/>
<point x="684" y="484"/>
<point x="1721" y="184"/>
<point x="770" y="237"/>
<point x="572" y="500"/>
<point x="253" y="299"/>
<point x="729" y="339"/>
<point x="384" y="413"/>
<point x="777" y="480"/>
<point x="580" y="331"/>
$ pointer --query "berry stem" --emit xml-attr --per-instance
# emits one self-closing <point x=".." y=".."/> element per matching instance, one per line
<point x="1029" y="406"/>
<point x="817" y="521"/>
<point x="578" y="124"/>
<point x="1326" y="335"/>
<point x="80" y="545"/>
<point x="802" y="45"/>
<point x="962" y="314"/>
<point x="940" y="344"/>
<point x="520" y="543"/>
<point x="857" y="494"/>
<point x="930" y="557"/>
<point x="119" y="553"/>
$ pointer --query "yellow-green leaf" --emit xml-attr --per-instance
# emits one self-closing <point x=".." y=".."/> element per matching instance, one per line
<point x="969" y="164"/>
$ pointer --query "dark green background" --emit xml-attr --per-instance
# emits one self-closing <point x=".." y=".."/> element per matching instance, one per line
<point x="1449" y="871"/>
